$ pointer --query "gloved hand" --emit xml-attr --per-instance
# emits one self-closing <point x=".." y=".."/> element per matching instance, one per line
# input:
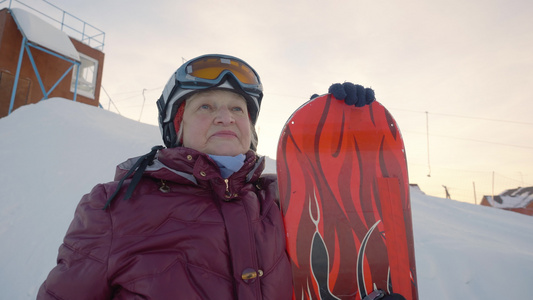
<point x="393" y="297"/>
<point x="352" y="94"/>
<point x="380" y="295"/>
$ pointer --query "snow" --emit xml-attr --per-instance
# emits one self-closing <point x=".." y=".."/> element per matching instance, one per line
<point x="44" y="34"/>
<point x="57" y="150"/>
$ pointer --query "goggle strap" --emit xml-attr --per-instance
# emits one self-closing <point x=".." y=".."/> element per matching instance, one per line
<point x="170" y="103"/>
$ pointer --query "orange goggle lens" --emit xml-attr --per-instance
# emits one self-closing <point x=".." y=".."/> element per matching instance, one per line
<point x="211" y="67"/>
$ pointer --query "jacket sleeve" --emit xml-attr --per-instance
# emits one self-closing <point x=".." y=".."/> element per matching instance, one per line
<point x="81" y="271"/>
<point x="270" y="184"/>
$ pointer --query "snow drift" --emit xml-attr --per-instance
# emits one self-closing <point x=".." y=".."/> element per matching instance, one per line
<point x="55" y="151"/>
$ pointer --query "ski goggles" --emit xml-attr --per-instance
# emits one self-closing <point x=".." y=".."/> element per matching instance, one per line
<point x="208" y="71"/>
<point x="211" y="70"/>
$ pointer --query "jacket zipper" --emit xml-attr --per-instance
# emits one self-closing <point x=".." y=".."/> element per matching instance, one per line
<point x="228" y="193"/>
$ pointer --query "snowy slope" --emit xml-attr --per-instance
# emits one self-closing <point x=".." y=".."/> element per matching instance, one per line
<point x="464" y="251"/>
<point x="55" y="151"/>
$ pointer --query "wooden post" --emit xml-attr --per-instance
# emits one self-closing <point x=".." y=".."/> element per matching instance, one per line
<point x="475" y="197"/>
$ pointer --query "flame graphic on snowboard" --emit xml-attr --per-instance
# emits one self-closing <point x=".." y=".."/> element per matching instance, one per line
<point x="345" y="199"/>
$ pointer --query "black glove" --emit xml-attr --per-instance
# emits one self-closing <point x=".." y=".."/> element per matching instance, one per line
<point x="352" y="94"/>
<point x="393" y="297"/>
<point x="380" y="295"/>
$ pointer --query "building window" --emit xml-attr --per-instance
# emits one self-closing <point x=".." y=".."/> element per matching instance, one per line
<point x="87" y="78"/>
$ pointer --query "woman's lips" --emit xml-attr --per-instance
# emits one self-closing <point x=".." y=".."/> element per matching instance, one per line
<point x="224" y="133"/>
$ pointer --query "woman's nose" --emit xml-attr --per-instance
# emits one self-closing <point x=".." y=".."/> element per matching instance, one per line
<point x="224" y="116"/>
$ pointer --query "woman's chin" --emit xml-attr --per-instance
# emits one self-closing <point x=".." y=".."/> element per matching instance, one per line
<point x="225" y="149"/>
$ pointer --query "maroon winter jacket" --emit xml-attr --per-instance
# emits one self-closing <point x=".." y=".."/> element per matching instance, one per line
<point x="185" y="233"/>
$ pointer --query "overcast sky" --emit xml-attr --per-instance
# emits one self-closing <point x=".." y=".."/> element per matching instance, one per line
<point x="468" y="64"/>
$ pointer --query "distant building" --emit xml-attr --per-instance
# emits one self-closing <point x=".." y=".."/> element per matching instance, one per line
<point x="518" y="200"/>
<point x="42" y="61"/>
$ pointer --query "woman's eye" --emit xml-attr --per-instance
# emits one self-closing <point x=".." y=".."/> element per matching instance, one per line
<point x="238" y="108"/>
<point x="204" y="106"/>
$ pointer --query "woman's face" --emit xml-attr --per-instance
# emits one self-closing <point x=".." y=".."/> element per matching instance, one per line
<point x="216" y="122"/>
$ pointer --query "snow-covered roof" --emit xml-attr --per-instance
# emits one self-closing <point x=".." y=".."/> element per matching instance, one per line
<point x="41" y="33"/>
<point x="512" y="198"/>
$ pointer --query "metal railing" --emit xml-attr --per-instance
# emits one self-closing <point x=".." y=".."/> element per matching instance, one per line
<point x="66" y="22"/>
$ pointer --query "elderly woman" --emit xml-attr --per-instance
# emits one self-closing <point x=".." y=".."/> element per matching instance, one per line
<point x="200" y="220"/>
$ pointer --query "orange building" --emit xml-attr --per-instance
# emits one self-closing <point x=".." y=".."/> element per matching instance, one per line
<point x="519" y="200"/>
<point x="44" y="62"/>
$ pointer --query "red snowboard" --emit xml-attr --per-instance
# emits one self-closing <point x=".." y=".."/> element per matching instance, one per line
<point x="345" y="199"/>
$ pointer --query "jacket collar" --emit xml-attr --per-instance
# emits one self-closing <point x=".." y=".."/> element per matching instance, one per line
<point x="187" y="166"/>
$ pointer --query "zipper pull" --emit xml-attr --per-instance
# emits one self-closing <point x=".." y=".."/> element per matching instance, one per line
<point x="228" y="193"/>
<point x="164" y="187"/>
